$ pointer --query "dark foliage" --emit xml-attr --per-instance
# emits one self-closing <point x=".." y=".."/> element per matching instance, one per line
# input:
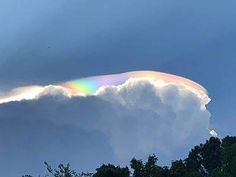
<point x="215" y="158"/>
<point x="111" y="171"/>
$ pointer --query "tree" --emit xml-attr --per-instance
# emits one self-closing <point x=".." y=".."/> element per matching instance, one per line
<point x="62" y="171"/>
<point x="194" y="162"/>
<point x="229" y="157"/>
<point x="111" y="171"/>
<point x="194" y="159"/>
<point x="138" y="167"/>
<point x="148" y="169"/>
<point x="178" y="169"/>
<point x="214" y="158"/>
<point x="211" y="153"/>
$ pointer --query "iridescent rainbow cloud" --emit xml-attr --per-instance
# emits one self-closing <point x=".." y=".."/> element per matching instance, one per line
<point x="89" y="86"/>
<point x="92" y="86"/>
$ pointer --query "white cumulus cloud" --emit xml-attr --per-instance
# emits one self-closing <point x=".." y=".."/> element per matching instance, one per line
<point x="32" y="92"/>
<point x="213" y="133"/>
<point x="147" y="117"/>
<point x="138" y="117"/>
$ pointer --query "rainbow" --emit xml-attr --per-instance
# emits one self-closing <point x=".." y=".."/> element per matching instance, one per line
<point x="89" y="85"/>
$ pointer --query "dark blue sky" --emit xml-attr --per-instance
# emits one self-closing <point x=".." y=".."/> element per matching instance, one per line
<point x="45" y="42"/>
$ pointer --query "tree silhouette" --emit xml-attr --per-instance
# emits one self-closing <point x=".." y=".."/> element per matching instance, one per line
<point x="229" y="157"/>
<point x="111" y="171"/>
<point x="138" y="167"/>
<point x="62" y="171"/>
<point x="212" y="155"/>
<point x="214" y="158"/>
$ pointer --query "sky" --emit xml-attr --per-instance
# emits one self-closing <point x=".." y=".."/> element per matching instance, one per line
<point x="49" y="42"/>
